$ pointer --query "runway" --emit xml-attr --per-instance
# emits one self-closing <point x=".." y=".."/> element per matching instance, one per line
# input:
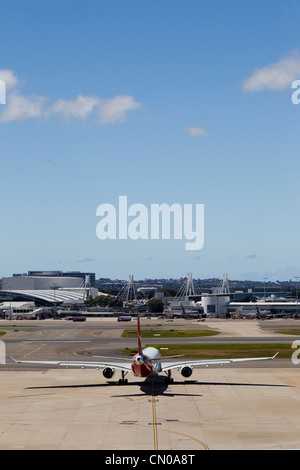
<point x="221" y="408"/>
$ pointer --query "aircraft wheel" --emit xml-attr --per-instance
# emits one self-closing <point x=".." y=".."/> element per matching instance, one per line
<point x="123" y="382"/>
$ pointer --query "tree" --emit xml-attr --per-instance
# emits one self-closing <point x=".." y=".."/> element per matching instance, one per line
<point x="155" y="306"/>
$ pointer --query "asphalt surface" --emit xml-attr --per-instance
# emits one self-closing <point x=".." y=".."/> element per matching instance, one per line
<point x="228" y="407"/>
<point x="62" y="339"/>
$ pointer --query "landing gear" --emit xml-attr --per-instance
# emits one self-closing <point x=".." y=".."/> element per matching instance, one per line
<point x="169" y="379"/>
<point x="123" y="381"/>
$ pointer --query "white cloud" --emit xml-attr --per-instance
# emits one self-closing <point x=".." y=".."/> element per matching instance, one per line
<point x="79" y="108"/>
<point x="194" y="131"/>
<point x="114" y="109"/>
<point x="20" y="108"/>
<point x="277" y="76"/>
<point x="9" y="77"/>
<point x="104" y="111"/>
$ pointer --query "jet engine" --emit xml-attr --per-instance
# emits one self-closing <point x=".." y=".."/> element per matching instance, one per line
<point x="186" y="371"/>
<point x="139" y="360"/>
<point x="108" y="372"/>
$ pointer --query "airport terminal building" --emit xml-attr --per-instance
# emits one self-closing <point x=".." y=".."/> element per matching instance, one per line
<point x="41" y="280"/>
<point x="222" y="302"/>
<point x="52" y="288"/>
<point x="226" y="306"/>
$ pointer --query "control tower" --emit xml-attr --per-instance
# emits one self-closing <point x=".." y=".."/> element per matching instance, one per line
<point x="215" y="304"/>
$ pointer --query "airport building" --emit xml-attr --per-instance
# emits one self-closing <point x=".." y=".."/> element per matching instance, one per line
<point x="223" y="306"/>
<point x="224" y="303"/>
<point x="41" y="280"/>
<point x="49" y="287"/>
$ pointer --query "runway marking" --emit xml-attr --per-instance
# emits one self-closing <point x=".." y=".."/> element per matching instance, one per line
<point x="124" y="423"/>
<point x="136" y="399"/>
<point x="67" y="331"/>
<point x="55" y="341"/>
<point x="161" y="429"/>
<point x="40" y="347"/>
<point x="155" y="424"/>
<point x="154" y="418"/>
<point x="173" y="432"/>
<point x="189" y="437"/>
<point x="95" y="333"/>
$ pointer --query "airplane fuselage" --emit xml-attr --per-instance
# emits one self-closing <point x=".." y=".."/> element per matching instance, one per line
<point x="143" y="364"/>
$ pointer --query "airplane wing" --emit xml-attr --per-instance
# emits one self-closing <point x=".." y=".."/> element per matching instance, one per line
<point x="125" y="366"/>
<point x="206" y="362"/>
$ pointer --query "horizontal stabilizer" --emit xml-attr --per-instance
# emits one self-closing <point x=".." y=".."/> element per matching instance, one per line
<point x="170" y="357"/>
<point x="114" y="358"/>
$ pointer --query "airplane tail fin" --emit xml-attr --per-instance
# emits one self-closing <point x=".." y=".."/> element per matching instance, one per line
<point x="139" y="336"/>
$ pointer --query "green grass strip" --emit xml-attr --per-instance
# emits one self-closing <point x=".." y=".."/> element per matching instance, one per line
<point x="290" y="332"/>
<point x="151" y="333"/>
<point x="222" y="351"/>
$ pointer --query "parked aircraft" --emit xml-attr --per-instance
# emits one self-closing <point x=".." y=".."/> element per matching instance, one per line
<point x="263" y="314"/>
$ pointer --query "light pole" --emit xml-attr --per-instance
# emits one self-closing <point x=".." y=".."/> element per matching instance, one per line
<point x="265" y="288"/>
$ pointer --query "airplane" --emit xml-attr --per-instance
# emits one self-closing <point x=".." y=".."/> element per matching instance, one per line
<point x="147" y="362"/>
<point x="261" y="314"/>
<point x="190" y="314"/>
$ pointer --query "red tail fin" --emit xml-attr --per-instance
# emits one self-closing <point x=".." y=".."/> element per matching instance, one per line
<point x="139" y="336"/>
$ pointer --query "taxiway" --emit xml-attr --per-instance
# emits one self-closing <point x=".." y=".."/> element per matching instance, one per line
<point x="220" y="408"/>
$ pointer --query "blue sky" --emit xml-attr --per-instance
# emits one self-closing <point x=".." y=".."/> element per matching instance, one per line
<point x="165" y="102"/>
